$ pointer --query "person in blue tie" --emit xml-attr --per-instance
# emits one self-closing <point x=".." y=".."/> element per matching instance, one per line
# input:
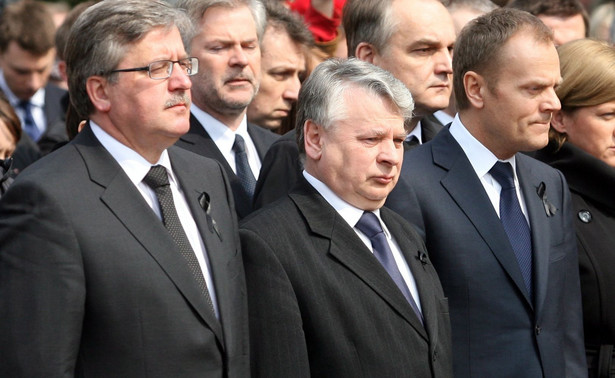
<point x="497" y="223"/>
<point x="339" y="286"/>
<point x="27" y="54"/>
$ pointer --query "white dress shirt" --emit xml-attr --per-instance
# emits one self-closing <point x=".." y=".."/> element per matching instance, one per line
<point x="136" y="167"/>
<point x="352" y="215"/>
<point x="482" y="161"/>
<point x="224" y="138"/>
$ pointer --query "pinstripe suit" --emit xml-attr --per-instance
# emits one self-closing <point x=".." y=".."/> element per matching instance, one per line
<point x="320" y="303"/>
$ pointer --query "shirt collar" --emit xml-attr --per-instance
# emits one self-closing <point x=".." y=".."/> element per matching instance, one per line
<point x="481" y="158"/>
<point x="221" y="134"/>
<point x="348" y="212"/>
<point x="135" y="165"/>
<point x="417" y="133"/>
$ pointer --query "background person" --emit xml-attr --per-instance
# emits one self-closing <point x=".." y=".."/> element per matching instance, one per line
<point x="582" y="147"/>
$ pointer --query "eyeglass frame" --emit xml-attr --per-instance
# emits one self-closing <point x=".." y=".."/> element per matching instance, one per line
<point x="194" y="69"/>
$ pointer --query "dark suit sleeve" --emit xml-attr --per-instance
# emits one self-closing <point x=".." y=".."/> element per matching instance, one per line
<point x="279" y="172"/>
<point x="42" y="286"/>
<point x="277" y="340"/>
<point x="576" y="365"/>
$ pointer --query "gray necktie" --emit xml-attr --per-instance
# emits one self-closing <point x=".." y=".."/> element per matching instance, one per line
<point x="158" y="180"/>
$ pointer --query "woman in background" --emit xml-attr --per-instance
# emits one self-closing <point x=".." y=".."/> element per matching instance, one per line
<point x="582" y="146"/>
<point x="10" y="133"/>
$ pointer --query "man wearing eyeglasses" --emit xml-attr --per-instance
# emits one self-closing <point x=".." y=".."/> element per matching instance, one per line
<point x="119" y="253"/>
<point x="227" y="45"/>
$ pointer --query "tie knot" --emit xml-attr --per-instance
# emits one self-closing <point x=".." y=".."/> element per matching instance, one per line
<point x="369" y="224"/>
<point x="156" y="177"/>
<point x="240" y="144"/>
<point x="503" y="173"/>
<point x="25" y="104"/>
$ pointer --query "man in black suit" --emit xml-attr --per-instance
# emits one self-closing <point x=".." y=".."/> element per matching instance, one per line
<point x="27" y="53"/>
<point x="337" y="285"/>
<point x="497" y="223"/>
<point x="227" y="45"/>
<point x="412" y="39"/>
<point x="119" y="253"/>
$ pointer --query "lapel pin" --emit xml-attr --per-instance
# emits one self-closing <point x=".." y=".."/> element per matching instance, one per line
<point x="550" y="209"/>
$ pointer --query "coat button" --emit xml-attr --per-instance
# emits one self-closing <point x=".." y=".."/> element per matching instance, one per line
<point x="435" y="355"/>
<point x="585" y="216"/>
<point x="537" y="330"/>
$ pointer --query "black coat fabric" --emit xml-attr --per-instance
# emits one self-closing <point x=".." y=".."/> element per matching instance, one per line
<point x="592" y="185"/>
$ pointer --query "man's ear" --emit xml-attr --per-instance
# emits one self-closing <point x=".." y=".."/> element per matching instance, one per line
<point x="98" y="88"/>
<point x="475" y="86"/>
<point x="558" y="122"/>
<point x="313" y="138"/>
<point x="365" y="52"/>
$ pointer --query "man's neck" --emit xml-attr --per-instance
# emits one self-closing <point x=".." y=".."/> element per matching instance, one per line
<point x="231" y="120"/>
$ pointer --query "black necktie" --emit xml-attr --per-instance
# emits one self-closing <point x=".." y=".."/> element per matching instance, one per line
<point x="514" y="221"/>
<point x="411" y="142"/>
<point x="158" y="180"/>
<point x="370" y="226"/>
<point x="29" y="124"/>
<point x="248" y="182"/>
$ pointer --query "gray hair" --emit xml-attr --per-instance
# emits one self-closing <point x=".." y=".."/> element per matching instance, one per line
<point x="369" y="21"/>
<point x="482" y="6"/>
<point x="103" y="34"/>
<point x="320" y="97"/>
<point x="196" y="9"/>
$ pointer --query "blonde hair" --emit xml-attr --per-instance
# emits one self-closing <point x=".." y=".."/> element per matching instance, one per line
<point x="588" y="72"/>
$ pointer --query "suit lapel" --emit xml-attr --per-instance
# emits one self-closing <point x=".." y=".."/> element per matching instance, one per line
<point x="347" y="248"/>
<point x="465" y="188"/>
<point x="258" y="140"/>
<point x="202" y="144"/>
<point x="529" y="184"/>
<point x="126" y="203"/>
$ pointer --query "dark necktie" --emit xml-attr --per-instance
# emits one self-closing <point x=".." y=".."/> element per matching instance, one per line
<point x="158" y="180"/>
<point x="248" y="182"/>
<point x="29" y="124"/>
<point x="370" y="226"/>
<point x="514" y="221"/>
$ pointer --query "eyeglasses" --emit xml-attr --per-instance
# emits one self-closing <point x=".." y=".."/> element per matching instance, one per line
<point x="162" y="69"/>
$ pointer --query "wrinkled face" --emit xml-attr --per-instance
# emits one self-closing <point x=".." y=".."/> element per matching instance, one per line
<point x="520" y="100"/>
<point x="592" y="129"/>
<point x="419" y="53"/>
<point x="565" y="29"/>
<point x="24" y="72"/>
<point x="147" y="114"/>
<point x="282" y="65"/>
<point x="359" y="157"/>
<point x="229" y="61"/>
<point x="7" y="141"/>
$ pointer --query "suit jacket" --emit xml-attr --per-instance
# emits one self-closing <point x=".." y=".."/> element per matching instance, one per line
<point x="280" y="171"/>
<point x="28" y="151"/>
<point x="430" y="127"/>
<point x="198" y="141"/>
<point x="321" y="304"/>
<point x="56" y="105"/>
<point x="498" y="331"/>
<point x="92" y="284"/>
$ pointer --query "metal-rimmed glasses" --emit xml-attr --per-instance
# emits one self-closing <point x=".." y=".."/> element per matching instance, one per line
<point x="162" y="69"/>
